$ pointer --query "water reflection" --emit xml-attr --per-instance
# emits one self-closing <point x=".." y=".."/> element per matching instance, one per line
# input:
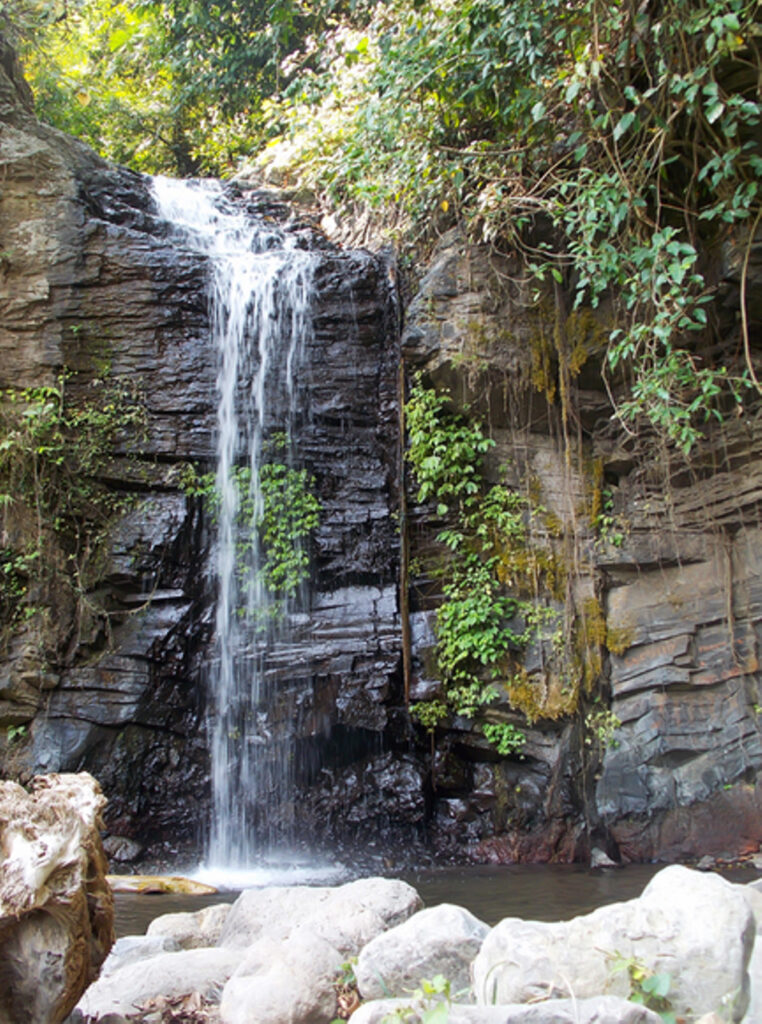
<point x="537" y="892"/>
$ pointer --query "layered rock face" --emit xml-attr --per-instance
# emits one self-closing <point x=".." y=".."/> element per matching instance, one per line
<point x="114" y="679"/>
<point x="656" y="554"/>
<point x="662" y="559"/>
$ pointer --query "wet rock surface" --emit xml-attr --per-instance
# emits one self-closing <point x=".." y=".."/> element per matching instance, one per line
<point x="94" y="284"/>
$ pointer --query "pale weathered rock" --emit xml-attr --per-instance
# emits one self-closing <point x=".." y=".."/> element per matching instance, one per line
<point x="202" y="971"/>
<point x="441" y="940"/>
<point x="284" y="982"/>
<point x="56" y="909"/>
<point x="600" y="859"/>
<point x="131" y="948"/>
<point x="677" y="926"/>
<point x="122" y="849"/>
<point x="192" y="930"/>
<point x="752" y="893"/>
<point x="599" y="1010"/>
<point x="152" y="884"/>
<point x="347" y="917"/>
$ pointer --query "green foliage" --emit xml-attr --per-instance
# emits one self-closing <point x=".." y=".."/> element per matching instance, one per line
<point x="446" y="451"/>
<point x="53" y="501"/>
<point x="503" y="582"/>
<point x="16" y="733"/>
<point x="631" y="129"/>
<point x="162" y="85"/>
<point x="601" y="725"/>
<point x="646" y="988"/>
<point x="290" y="512"/>
<point x="280" y="513"/>
<point x="430" y="713"/>
<point x="505" y="737"/>
<point x="430" y="1003"/>
<point x="608" y="526"/>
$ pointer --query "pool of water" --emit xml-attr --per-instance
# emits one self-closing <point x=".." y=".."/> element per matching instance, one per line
<point x="538" y="892"/>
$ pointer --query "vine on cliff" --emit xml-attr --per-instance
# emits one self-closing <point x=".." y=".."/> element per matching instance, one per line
<point x="504" y="585"/>
<point x="56" y="508"/>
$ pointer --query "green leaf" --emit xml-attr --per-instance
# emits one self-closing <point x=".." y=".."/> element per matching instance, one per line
<point x="118" y="38"/>
<point x="623" y="124"/>
<point x="714" y="111"/>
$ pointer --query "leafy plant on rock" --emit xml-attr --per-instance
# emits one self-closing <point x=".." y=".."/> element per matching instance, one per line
<point x="504" y="586"/>
<point x="290" y="513"/>
<point x="648" y="988"/>
<point x="278" y="512"/>
<point x="446" y="451"/>
<point x="55" y="506"/>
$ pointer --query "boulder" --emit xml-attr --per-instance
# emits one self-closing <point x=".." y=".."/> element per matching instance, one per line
<point x="132" y="948"/>
<point x="347" y="917"/>
<point x="191" y="930"/>
<point x="600" y="1010"/>
<point x="284" y="982"/>
<point x="122" y="849"/>
<point x="678" y="926"/>
<point x="169" y="975"/>
<point x="56" y="909"/>
<point x="752" y="893"/>
<point x="441" y="940"/>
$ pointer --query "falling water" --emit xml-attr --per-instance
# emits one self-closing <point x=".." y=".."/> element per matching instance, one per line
<point x="259" y="311"/>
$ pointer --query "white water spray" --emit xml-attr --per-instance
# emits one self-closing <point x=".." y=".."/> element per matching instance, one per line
<point x="260" y="285"/>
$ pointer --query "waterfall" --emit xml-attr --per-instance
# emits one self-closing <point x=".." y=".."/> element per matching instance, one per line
<point x="260" y="286"/>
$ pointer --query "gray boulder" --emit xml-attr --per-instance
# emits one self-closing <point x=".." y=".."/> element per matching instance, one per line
<point x="204" y="971"/>
<point x="442" y="940"/>
<point x="347" y="917"/>
<point x="753" y="895"/>
<point x="283" y="982"/>
<point x="600" y="1010"/>
<point x="132" y="948"/>
<point x="693" y="926"/>
<point x="192" y="930"/>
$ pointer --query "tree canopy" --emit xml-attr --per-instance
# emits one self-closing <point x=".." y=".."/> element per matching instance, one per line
<point x="629" y="129"/>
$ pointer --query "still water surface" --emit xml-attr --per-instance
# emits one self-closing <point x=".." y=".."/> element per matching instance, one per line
<point x="538" y="892"/>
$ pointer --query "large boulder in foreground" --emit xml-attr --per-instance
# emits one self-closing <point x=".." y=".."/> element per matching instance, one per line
<point x="287" y="981"/>
<point x="56" y="908"/>
<point x="348" y="916"/>
<point x="601" y="1010"/>
<point x="168" y="975"/>
<point x="697" y="928"/>
<point x="441" y="940"/>
<point x="270" y="958"/>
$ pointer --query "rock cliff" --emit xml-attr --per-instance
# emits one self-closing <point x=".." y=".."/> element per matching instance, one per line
<point x="661" y="559"/>
<point x="644" y="705"/>
<point x="108" y="674"/>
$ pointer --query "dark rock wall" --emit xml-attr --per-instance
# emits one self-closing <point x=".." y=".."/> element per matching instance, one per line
<point x="116" y="683"/>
